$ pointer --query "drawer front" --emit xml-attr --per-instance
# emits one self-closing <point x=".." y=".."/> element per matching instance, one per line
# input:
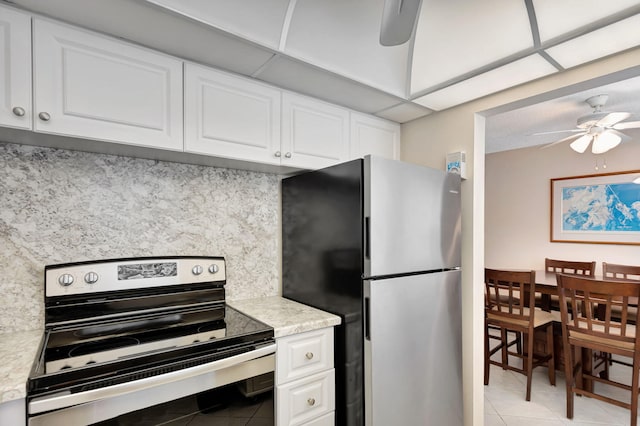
<point x="306" y="399"/>
<point x="303" y="354"/>
<point x="326" y="420"/>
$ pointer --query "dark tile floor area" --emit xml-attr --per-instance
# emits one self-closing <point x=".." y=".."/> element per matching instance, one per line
<point x="221" y="407"/>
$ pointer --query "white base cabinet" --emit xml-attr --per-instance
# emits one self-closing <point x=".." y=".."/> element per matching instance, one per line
<point x="15" y="69"/>
<point x="305" y="379"/>
<point x="91" y="86"/>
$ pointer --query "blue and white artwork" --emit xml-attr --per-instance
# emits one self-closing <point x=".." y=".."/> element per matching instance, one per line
<point x="611" y="207"/>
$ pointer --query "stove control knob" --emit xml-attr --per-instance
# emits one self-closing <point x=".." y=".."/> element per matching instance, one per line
<point x="196" y="270"/>
<point x="91" y="278"/>
<point x="65" y="279"/>
<point x="213" y="268"/>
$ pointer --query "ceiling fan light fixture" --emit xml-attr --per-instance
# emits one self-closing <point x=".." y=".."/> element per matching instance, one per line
<point x="580" y="145"/>
<point x="605" y="141"/>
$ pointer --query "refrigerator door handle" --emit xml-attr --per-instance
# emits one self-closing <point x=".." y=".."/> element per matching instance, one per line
<point x="367" y="329"/>
<point x="367" y="241"/>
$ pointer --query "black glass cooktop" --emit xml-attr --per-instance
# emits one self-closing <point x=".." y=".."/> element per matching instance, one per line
<point x="109" y="352"/>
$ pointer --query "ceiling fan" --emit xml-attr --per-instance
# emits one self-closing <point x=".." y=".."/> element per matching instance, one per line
<point x="600" y="127"/>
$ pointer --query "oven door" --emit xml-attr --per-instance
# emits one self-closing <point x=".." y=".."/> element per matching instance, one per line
<point x="92" y="406"/>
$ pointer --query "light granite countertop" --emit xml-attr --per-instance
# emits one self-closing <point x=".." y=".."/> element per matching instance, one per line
<point x="17" y="353"/>
<point x="18" y="350"/>
<point x="284" y="315"/>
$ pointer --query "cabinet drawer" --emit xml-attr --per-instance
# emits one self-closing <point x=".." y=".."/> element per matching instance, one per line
<point x="326" y="420"/>
<point x="303" y="354"/>
<point x="306" y="399"/>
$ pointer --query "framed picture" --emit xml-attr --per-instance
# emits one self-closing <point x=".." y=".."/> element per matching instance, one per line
<point x="597" y="209"/>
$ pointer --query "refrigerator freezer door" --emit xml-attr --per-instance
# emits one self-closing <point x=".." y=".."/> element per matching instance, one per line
<point x="412" y="218"/>
<point x="413" y="350"/>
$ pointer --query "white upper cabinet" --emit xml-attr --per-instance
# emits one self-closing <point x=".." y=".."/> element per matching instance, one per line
<point x="15" y="69"/>
<point x="91" y="86"/>
<point x="374" y="136"/>
<point x="314" y="134"/>
<point x="231" y="117"/>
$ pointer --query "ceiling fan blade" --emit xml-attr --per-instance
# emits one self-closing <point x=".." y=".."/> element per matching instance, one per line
<point x="399" y="19"/>
<point x="622" y="136"/>
<point x="612" y="118"/>
<point x="580" y="145"/>
<point x="605" y="141"/>
<point x="557" y="131"/>
<point x="568" y="138"/>
<point x="627" y="125"/>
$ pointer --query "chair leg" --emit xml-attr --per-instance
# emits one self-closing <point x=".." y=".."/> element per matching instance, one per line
<point x="529" y="361"/>
<point x="505" y="348"/>
<point x="634" y="393"/>
<point x="569" y="379"/>
<point x="551" y="365"/>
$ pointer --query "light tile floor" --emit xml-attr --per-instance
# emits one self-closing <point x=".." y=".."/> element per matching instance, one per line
<point x="504" y="400"/>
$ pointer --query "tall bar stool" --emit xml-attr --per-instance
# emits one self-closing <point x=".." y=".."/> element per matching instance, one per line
<point x="509" y="307"/>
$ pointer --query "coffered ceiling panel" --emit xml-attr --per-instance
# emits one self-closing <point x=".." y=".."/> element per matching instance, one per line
<point x="456" y="37"/>
<point x="343" y="36"/>
<point x="313" y="81"/>
<point x="556" y="18"/>
<point x="509" y="75"/>
<point x="260" y="21"/>
<point x="605" y="41"/>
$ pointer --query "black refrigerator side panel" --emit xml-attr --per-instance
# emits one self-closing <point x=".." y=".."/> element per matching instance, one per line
<point x="322" y="265"/>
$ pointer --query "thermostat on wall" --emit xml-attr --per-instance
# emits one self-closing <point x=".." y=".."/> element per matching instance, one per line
<point x="457" y="163"/>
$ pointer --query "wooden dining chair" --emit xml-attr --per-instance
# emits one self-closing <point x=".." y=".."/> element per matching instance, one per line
<point x="583" y="329"/>
<point x="508" y="298"/>
<point x="617" y="272"/>
<point x="570" y="267"/>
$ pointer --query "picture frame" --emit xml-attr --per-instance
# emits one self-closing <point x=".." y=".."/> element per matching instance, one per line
<point x="596" y="209"/>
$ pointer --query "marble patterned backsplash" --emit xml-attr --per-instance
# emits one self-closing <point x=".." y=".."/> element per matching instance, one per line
<point x="61" y="206"/>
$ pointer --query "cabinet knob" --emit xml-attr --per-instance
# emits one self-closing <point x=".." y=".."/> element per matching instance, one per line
<point x="287" y="155"/>
<point x="19" y="111"/>
<point x="309" y="355"/>
<point x="311" y="401"/>
<point x="44" y="116"/>
<point x="277" y="154"/>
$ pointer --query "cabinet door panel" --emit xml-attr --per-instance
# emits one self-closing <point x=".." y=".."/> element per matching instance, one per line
<point x="305" y="399"/>
<point x="314" y="134"/>
<point x="100" y="88"/>
<point x="230" y="117"/>
<point x="373" y="136"/>
<point x="15" y="69"/>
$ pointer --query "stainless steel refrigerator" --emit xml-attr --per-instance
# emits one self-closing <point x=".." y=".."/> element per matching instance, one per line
<point x="377" y="242"/>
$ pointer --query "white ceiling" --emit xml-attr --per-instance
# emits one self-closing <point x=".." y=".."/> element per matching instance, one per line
<point x="516" y="128"/>
<point x="461" y="49"/>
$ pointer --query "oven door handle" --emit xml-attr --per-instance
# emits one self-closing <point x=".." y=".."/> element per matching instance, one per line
<point x="66" y="399"/>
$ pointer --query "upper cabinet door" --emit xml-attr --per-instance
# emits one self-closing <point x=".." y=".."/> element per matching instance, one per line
<point x="91" y="86"/>
<point x="231" y="117"/>
<point x="374" y="136"/>
<point x="15" y="69"/>
<point x="314" y="134"/>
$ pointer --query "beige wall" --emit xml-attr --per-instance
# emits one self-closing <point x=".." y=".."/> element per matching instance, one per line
<point x="509" y="244"/>
<point x="427" y="140"/>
